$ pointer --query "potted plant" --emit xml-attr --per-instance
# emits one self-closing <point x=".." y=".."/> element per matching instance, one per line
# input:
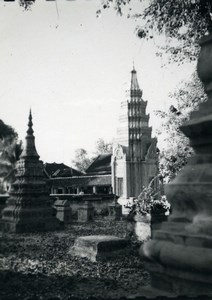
<point x="149" y="204"/>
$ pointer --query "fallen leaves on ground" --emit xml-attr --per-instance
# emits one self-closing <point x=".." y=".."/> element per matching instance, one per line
<point x="39" y="265"/>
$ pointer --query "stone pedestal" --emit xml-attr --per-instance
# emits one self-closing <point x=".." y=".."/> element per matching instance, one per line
<point x="157" y="217"/>
<point x="3" y="199"/>
<point x="179" y="256"/>
<point x="115" y="211"/>
<point x="63" y="211"/>
<point x="99" y="247"/>
<point x="142" y="227"/>
<point x="28" y="208"/>
<point x="86" y="212"/>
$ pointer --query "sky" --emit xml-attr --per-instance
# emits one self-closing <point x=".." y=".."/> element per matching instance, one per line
<point x="73" y="69"/>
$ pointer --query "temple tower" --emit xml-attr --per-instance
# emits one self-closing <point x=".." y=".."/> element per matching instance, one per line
<point x="134" y="160"/>
<point x="28" y="207"/>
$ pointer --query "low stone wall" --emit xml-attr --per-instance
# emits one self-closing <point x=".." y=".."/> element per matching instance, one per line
<point x="99" y="202"/>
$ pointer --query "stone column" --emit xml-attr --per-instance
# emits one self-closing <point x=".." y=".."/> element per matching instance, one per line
<point x="179" y="257"/>
<point x="94" y="189"/>
<point x="113" y="172"/>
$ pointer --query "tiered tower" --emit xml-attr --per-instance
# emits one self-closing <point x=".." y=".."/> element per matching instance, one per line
<point x="28" y="207"/>
<point x="134" y="161"/>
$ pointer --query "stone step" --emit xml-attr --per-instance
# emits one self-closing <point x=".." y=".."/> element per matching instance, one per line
<point x="99" y="247"/>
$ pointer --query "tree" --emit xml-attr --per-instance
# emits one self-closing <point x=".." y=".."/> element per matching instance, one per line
<point x="81" y="160"/>
<point x="182" y="22"/>
<point x="26" y="4"/>
<point x="103" y="147"/>
<point x="177" y="150"/>
<point x="10" y="150"/>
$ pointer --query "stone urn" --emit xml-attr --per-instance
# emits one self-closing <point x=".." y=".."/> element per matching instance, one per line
<point x="179" y="257"/>
<point x="142" y="227"/>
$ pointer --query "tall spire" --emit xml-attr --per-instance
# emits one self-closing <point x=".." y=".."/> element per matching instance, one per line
<point x="28" y="208"/>
<point x="30" y="124"/>
<point x="29" y="149"/>
<point x="135" y="90"/>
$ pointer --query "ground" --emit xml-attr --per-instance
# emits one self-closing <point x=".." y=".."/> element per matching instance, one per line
<point x="38" y="266"/>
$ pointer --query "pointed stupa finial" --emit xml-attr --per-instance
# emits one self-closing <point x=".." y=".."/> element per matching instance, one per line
<point x="30" y="124"/>
<point x="133" y="66"/>
<point x="29" y="149"/>
<point x="135" y="90"/>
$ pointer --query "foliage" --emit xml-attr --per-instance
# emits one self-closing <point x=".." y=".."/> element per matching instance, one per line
<point x="26" y="4"/>
<point x="149" y="200"/>
<point x="10" y="151"/>
<point x="7" y="131"/>
<point x="103" y="147"/>
<point x="182" y="22"/>
<point x="161" y="204"/>
<point x="176" y="145"/>
<point x="81" y="160"/>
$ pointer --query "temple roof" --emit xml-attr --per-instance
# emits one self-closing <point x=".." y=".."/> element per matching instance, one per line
<point x="77" y="181"/>
<point x="60" y="170"/>
<point x="101" y="165"/>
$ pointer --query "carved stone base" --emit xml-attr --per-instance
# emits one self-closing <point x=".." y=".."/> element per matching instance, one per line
<point x="115" y="211"/>
<point x="179" y="283"/>
<point x="179" y="257"/>
<point x="179" y="262"/>
<point x="19" y="220"/>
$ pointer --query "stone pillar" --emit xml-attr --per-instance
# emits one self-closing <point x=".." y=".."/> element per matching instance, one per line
<point x="179" y="257"/>
<point x="115" y="210"/>
<point x="63" y="211"/>
<point x="94" y="189"/>
<point x="86" y="212"/>
<point x="113" y="173"/>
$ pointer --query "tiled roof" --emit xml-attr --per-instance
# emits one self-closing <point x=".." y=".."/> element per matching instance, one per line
<point x="101" y="165"/>
<point x="70" y="172"/>
<point x="60" y="170"/>
<point x="98" y="180"/>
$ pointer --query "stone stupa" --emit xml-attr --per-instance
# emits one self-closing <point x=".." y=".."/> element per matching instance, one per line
<point x="28" y="208"/>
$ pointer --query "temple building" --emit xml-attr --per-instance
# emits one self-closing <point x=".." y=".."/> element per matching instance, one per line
<point x="131" y="166"/>
<point x="123" y="174"/>
<point x="96" y="180"/>
<point x="135" y="155"/>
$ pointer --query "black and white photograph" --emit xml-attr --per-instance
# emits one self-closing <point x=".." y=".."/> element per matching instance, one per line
<point x="105" y="149"/>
